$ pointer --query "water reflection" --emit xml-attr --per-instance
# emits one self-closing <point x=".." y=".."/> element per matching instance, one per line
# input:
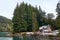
<point x="28" y="38"/>
<point x="35" y="38"/>
<point x="17" y="38"/>
<point x="6" y="38"/>
<point x="31" y="38"/>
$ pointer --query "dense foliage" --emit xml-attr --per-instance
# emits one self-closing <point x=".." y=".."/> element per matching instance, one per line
<point x="27" y="18"/>
<point x="58" y="16"/>
<point x="5" y="24"/>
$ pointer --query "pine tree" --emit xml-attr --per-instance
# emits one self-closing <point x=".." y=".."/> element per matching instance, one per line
<point x="15" y="19"/>
<point x="58" y="17"/>
<point x="25" y="18"/>
<point x="19" y="23"/>
<point x="34" y="22"/>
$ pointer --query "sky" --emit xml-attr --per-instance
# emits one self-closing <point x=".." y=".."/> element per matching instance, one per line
<point x="7" y="6"/>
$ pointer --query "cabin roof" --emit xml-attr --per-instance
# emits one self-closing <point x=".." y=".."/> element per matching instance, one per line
<point x="44" y="27"/>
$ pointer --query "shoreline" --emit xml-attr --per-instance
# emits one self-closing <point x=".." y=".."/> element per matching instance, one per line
<point x="12" y="35"/>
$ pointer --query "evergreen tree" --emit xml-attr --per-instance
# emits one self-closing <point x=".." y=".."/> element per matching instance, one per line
<point x="58" y="17"/>
<point x="26" y="18"/>
<point x="15" y="20"/>
<point x="19" y="23"/>
<point x="34" y="22"/>
<point x="41" y="17"/>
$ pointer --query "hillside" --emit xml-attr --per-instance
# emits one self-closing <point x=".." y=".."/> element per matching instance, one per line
<point x="5" y="24"/>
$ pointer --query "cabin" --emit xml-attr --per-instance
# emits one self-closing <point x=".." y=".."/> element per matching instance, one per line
<point x="47" y="30"/>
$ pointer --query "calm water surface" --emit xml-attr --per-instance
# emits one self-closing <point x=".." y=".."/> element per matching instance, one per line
<point x="6" y="38"/>
<point x="30" y="38"/>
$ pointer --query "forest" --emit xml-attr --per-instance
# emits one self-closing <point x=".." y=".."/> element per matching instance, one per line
<point x="27" y="18"/>
<point x="5" y="24"/>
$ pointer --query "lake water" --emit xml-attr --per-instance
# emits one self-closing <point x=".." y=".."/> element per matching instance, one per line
<point x="6" y="38"/>
<point x="30" y="38"/>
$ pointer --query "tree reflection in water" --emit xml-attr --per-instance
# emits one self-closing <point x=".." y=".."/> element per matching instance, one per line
<point x="35" y="38"/>
<point x="17" y="38"/>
